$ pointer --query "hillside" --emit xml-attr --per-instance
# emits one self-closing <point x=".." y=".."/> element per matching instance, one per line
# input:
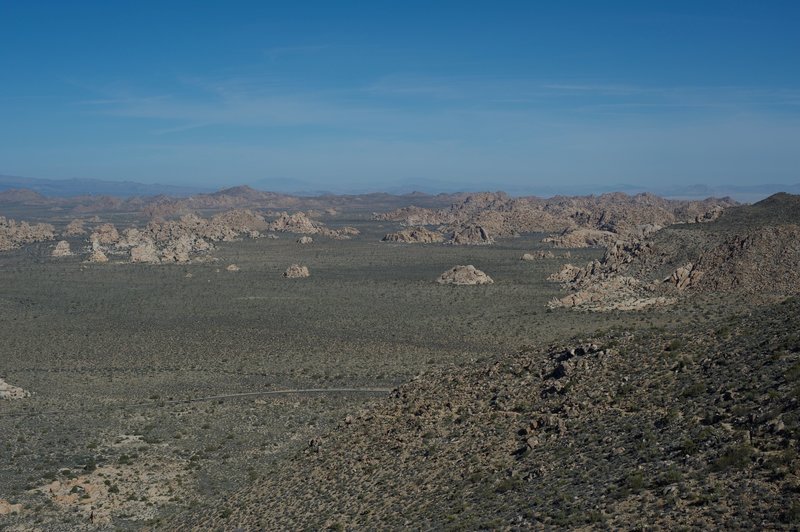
<point x="626" y="430"/>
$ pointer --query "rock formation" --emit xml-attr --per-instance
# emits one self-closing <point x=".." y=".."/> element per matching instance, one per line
<point x="10" y="392"/>
<point x="61" y="249"/>
<point x="296" y="271"/>
<point x="305" y="240"/>
<point x="464" y="275"/>
<point x="105" y="234"/>
<point x="16" y="234"/>
<point x="414" y="235"/>
<point x="232" y="268"/>
<point x="74" y="228"/>
<point x="582" y="238"/>
<point x="470" y="235"/>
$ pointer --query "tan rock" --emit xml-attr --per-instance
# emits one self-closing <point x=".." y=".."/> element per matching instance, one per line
<point x="105" y="234"/>
<point x="61" y="249"/>
<point x="296" y="271"/>
<point x="305" y="240"/>
<point x="74" y="228"/>
<point x="464" y="275"/>
<point x="232" y="268"/>
<point x="10" y="392"/>
<point x="8" y="508"/>
<point x="145" y="252"/>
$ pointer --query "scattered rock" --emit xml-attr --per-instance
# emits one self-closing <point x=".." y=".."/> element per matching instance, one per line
<point x="538" y="255"/>
<point x="295" y="271"/>
<point x="464" y="275"/>
<point x="8" y="508"/>
<point x="305" y="240"/>
<point x="232" y="268"/>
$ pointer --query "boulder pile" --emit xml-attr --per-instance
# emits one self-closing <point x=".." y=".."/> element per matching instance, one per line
<point x="464" y="275"/>
<point x="61" y="249"/>
<point x="10" y="392"/>
<point x="414" y="235"/>
<point x="296" y="271"/>
<point x="17" y="234"/>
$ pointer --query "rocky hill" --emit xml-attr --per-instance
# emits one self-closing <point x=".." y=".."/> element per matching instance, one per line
<point x="752" y="249"/>
<point x="628" y="430"/>
<point x="598" y="219"/>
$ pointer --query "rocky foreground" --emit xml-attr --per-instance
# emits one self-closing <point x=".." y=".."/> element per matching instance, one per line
<point x="626" y="430"/>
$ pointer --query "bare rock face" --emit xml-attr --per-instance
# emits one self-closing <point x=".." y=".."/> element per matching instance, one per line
<point x="10" y="392"/>
<point x="105" y="234"/>
<point x="470" y="235"/>
<point x="538" y="255"/>
<point x="8" y="508"/>
<point x="305" y="240"/>
<point x="232" y="268"/>
<point x="582" y="238"/>
<point x="414" y="235"/>
<point x="685" y="277"/>
<point x="74" y="228"/>
<point x="61" y="249"/>
<point x="145" y="252"/>
<point x="464" y="275"/>
<point x="295" y="271"/>
<point x="14" y="235"/>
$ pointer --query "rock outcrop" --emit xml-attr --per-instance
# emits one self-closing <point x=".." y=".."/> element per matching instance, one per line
<point x="305" y="240"/>
<point x="414" y="235"/>
<point x="17" y="234"/>
<point x="74" y="228"/>
<point x="10" y="392"/>
<point x="464" y="275"/>
<point x="582" y="238"/>
<point x="296" y="271"/>
<point x="470" y="235"/>
<point x="61" y="249"/>
<point x="105" y="234"/>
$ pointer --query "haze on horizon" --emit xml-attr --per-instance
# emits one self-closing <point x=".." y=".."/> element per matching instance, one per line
<point x="351" y="96"/>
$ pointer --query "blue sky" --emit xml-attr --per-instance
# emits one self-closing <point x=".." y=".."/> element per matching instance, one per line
<point x="365" y="95"/>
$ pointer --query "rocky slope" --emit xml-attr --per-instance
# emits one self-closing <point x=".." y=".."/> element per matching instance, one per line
<point x="752" y="249"/>
<point x="627" y="430"/>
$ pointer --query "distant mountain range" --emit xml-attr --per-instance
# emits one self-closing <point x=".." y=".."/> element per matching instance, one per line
<point x="96" y="187"/>
<point x="126" y="189"/>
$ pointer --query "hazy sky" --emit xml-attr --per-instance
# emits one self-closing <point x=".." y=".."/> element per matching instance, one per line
<point x="366" y="94"/>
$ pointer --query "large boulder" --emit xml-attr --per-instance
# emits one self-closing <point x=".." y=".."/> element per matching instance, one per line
<point x="10" y="392"/>
<point x="464" y="275"/>
<point x="145" y="252"/>
<point x="305" y="240"/>
<point x="296" y="271"/>
<point x="61" y="249"/>
<point x="74" y="228"/>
